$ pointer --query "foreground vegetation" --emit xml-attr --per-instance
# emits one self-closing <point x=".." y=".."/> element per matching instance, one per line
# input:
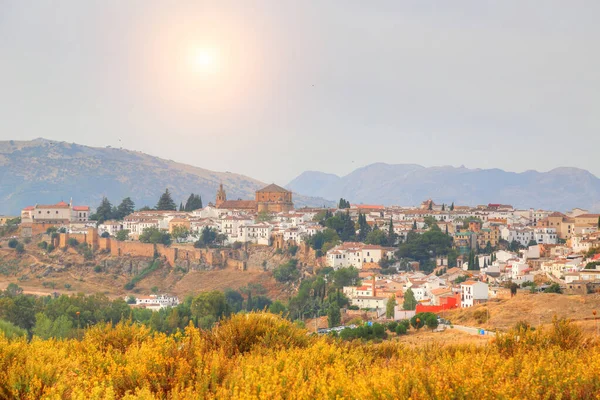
<point x="260" y="355"/>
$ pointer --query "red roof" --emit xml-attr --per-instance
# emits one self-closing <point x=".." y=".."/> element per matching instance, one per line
<point x="81" y="208"/>
<point x="596" y="257"/>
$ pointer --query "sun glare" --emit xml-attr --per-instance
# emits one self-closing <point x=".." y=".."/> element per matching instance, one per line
<point x="205" y="60"/>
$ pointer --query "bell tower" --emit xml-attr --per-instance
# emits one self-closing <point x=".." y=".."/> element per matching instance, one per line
<point x="221" y="196"/>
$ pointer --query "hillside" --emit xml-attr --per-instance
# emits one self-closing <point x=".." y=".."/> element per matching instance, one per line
<point x="43" y="171"/>
<point x="409" y="184"/>
<point x="66" y="271"/>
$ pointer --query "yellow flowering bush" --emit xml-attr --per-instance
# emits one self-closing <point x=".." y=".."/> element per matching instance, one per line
<point x="262" y="356"/>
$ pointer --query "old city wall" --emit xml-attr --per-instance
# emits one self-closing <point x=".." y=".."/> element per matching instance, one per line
<point x="172" y="254"/>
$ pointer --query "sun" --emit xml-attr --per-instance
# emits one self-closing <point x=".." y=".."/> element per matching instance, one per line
<point x="205" y="60"/>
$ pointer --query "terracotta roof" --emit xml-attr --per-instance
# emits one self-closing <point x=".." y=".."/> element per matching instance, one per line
<point x="81" y="208"/>
<point x="588" y="216"/>
<point x="469" y="283"/>
<point x="273" y="188"/>
<point x="239" y="204"/>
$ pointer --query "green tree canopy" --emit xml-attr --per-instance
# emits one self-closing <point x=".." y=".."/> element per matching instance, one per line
<point x="390" y="307"/>
<point x="410" y="303"/>
<point x="194" y="202"/>
<point x="155" y="235"/>
<point x="126" y="207"/>
<point x="104" y="212"/>
<point x="166" y="203"/>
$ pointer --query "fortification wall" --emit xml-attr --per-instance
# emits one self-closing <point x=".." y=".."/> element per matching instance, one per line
<point x="138" y="249"/>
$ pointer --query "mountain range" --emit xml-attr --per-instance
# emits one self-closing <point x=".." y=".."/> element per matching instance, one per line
<point x="45" y="172"/>
<point x="560" y="189"/>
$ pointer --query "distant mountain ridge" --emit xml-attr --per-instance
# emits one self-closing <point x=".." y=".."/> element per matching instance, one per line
<point x="409" y="184"/>
<point x="44" y="171"/>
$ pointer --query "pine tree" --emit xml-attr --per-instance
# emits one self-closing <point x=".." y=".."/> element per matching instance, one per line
<point x="104" y="212"/>
<point x="181" y="206"/>
<point x="126" y="207"/>
<point x="166" y="203"/>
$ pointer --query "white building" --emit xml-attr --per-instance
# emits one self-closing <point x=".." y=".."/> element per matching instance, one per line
<point x="60" y="213"/>
<point x="255" y="233"/>
<point x="354" y="254"/>
<point x="155" y="302"/>
<point x="111" y="227"/>
<point x="472" y="293"/>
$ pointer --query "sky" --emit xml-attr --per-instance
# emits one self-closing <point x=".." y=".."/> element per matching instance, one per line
<point x="270" y="89"/>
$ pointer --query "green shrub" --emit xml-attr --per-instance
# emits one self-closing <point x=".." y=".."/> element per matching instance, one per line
<point x="72" y="242"/>
<point x="97" y="269"/>
<point x="12" y="243"/>
<point x="43" y="245"/>
<point x="20" y="248"/>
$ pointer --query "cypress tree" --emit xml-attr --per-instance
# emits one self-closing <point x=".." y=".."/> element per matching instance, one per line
<point x="452" y="206"/>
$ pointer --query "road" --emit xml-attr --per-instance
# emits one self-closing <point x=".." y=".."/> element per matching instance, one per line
<point x="472" y="330"/>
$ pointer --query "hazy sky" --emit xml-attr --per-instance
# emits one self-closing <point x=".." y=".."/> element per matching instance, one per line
<point x="272" y="88"/>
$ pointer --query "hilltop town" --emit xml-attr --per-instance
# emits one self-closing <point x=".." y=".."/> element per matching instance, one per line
<point x="390" y="261"/>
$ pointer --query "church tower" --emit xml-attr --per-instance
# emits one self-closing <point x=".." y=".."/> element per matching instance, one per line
<point x="221" y="196"/>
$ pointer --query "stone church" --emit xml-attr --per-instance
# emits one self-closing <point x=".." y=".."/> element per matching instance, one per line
<point x="272" y="198"/>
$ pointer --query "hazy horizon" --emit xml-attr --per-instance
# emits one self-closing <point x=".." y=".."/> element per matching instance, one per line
<point x="271" y="89"/>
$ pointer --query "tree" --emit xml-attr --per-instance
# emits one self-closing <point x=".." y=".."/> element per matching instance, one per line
<point x="414" y="227"/>
<point x="554" y="288"/>
<point x="180" y="232"/>
<point x="12" y="243"/>
<point x="430" y="207"/>
<point x="532" y="243"/>
<point x="599" y="223"/>
<point x="126" y="207"/>
<point x="443" y="207"/>
<point x="13" y="290"/>
<point x="377" y="237"/>
<point x="431" y="321"/>
<point x="343" y="203"/>
<point x="20" y="249"/>
<point x="166" y="203"/>
<point x="155" y="235"/>
<point x="208" y="236"/>
<point x="209" y="307"/>
<point x="410" y="303"/>
<point x="104" y="212"/>
<point x="334" y="316"/>
<point x="476" y="267"/>
<point x="345" y="277"/>
<point x="277" y="307"/>
<point x="392" y="237"/>
<point x="122" y="235"/>
<point x="181" y="206"/>
<point x="452" y="206"/>
<point x="194" y="202"/>
<point x="287" y="272"/>
<point x="348" y="230"/>
<point x="513" y="289"/>
<point x="363" y="227"/>
<point x="390" y="307"/>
